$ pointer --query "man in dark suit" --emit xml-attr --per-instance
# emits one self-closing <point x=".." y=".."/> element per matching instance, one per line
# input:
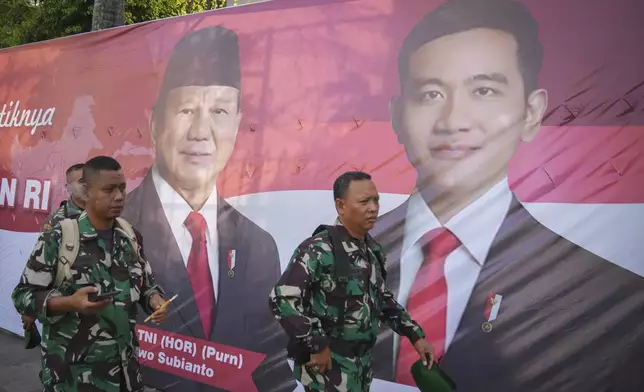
<point x="221" y="265"/>
<point x="508" y="304"/>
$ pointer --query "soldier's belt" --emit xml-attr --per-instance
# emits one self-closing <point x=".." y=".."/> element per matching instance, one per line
<point x="350" y="349"/>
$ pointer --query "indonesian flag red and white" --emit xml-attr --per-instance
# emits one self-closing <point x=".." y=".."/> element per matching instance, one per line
<point x="493" y="306"/>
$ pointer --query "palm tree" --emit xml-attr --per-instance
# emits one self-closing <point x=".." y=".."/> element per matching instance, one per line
<point x="108" y="13"/>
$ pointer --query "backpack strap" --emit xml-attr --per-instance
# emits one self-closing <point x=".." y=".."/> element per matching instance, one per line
<point x="129" y="232"/>
<point x="342" y="270"/>
<point x="341" y="258"/>
<point x="67" y="250"/>
<point x="379" y="257"/>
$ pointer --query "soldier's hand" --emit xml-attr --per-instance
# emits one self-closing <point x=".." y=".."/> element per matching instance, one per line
<point x="28" y="322"/>
<point x="426" y="352"/>
<point x="321" y="362"/>
<point x="81" y="304"/>
<point x="159" y="315"/>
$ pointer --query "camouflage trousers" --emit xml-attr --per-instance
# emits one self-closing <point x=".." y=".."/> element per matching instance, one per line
<point x="346" y="375"/>
<point x="93" y="378"/>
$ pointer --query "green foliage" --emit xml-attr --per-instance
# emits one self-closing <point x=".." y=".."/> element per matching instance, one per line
<point x="26" y="21"/>
<point x="15" y="14"/>
<point x="143" y="10"/>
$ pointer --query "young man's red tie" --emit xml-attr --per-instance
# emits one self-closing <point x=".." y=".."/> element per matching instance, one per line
<point x="427" y="303"/>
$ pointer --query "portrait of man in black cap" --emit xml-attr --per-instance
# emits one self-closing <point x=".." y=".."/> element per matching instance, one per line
<point x="220" y="264"/>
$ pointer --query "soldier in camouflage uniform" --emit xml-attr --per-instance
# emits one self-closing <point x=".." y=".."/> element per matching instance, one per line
<point x="304" y="301"/>
<point x="70" y="208"/>
<point x="90" y="345"/>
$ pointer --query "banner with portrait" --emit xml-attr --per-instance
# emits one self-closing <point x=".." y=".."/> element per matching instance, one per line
<point x="518" y="126"/>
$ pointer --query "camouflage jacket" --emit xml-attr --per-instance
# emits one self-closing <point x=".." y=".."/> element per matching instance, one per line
<point x="301" y="299"/>
<point x="67" y="209"/>
<point x="93" y="350"/>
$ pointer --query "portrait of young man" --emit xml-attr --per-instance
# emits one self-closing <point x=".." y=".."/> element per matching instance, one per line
<point x="205" y="251"/>
<point x="508" y="304"/>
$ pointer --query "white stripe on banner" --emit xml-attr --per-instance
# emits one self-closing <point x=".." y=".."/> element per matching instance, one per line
<point x="608" y="230"/>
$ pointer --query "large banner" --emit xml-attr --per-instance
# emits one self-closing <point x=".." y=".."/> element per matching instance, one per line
<point x="518" y="126"/>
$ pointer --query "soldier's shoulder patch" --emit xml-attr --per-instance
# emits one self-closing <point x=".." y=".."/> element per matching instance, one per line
<point x="47" y="226"/>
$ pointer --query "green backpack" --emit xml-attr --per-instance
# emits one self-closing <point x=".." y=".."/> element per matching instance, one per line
<point x="70" y="242"/>
<point x="67" y="253"/>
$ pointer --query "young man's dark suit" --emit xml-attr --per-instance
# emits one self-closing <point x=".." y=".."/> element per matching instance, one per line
<point x="241" y="318"/>
<point x="569" y="320"/>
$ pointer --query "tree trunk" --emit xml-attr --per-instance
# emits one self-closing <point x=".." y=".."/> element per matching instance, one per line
<point x="108" y="13"/>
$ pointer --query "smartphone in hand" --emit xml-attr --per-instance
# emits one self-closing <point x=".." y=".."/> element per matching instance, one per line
<point x="94" y="297"/>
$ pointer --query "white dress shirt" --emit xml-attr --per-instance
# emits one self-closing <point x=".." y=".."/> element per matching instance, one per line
<point x="475" y="226"/>
<point x="176" y="211"/>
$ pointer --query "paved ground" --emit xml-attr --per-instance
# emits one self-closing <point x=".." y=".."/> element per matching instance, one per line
<point x="18" y="367"/>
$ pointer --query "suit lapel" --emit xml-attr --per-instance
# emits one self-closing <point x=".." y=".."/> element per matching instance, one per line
<point x="505" y="249"/>
<point x="540" y="276"/>
<point x="227" y="219"/>
<point x="389" y="233"/>
<point x="172" y="272"/>
<point x="475" y="345"/>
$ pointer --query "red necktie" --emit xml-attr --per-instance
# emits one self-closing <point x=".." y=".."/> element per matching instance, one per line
<point x="199" y="271"/>
<point x="427" y="303"/>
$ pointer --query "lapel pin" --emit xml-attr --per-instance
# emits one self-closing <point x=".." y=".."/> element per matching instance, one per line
<point x="231" y="262"/>
<point x="492" y="306"/>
